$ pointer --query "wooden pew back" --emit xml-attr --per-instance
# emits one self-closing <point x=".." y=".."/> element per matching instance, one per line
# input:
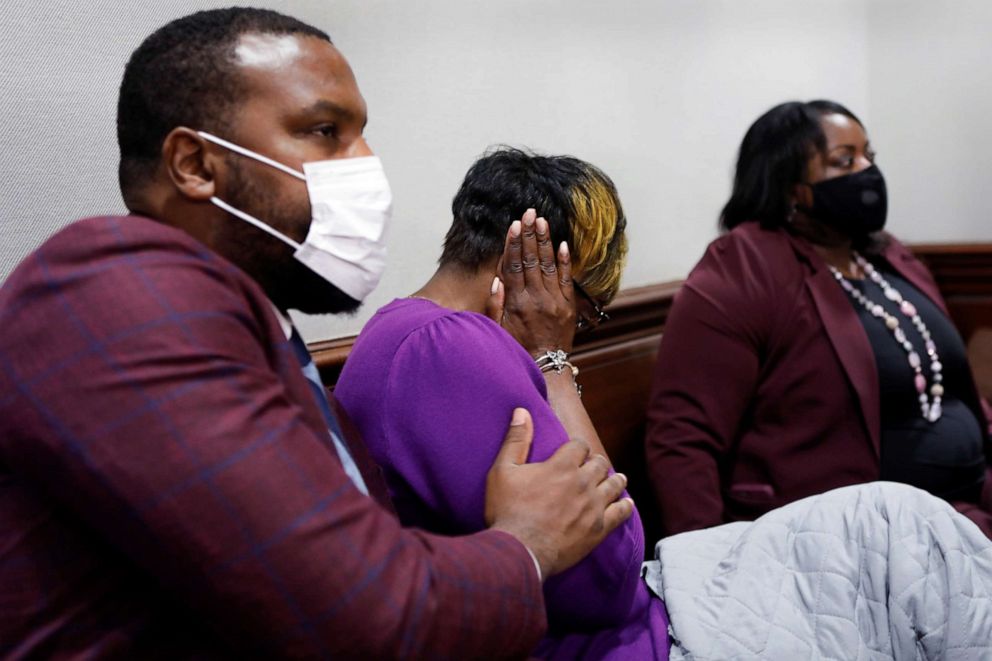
<point x="617" y="359"/>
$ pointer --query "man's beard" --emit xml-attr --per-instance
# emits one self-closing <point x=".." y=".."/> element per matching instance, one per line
<point x="289" y="283"/>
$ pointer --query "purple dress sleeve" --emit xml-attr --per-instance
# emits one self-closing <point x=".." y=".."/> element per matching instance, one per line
<point x="451" y="387"/>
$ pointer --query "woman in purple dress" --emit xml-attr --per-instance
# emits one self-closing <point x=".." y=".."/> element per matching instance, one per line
<point x="433" y="379"/>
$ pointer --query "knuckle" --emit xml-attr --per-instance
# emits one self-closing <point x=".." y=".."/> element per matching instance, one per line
<point x="530" y="262"/>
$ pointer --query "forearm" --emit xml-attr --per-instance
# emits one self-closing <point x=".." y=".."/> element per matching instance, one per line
<point x="599" y="591"/>
<point x="358" y="585"/>
<point x="567" y="405"/>
<point x="472" y="596"/>
<point x="301" y="566"/>
<point x="686" y="484"/>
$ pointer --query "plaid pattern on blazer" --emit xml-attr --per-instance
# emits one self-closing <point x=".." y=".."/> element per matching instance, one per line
<point x="167" y="487"/>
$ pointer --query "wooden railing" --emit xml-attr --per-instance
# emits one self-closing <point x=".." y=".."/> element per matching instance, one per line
<point x="616" y="360"/>
<point x="964" y="274"/>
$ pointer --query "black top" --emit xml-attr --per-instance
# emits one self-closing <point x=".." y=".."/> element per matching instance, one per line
<point x="943" y="457"/>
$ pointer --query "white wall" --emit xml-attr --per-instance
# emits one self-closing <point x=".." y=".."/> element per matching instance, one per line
<point x="930" y="67"/>
<point x="657" y="93"/>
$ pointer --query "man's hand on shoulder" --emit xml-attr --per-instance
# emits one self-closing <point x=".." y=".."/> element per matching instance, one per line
<point x="560" y="509"/>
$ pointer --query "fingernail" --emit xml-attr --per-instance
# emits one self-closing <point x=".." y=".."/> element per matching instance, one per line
<point x="518" y="418"/>
<point x="631" y="501"/>
<point x="563" y="249"/>
<point x="624" y="477"/>
<point x="495" y="287"/>
<point x="542" y="226"/>
<point x="529" y="219"/>
<point x="515" y="228"/>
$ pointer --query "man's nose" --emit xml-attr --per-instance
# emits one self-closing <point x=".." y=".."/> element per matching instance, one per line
<point x="360" y="148"/>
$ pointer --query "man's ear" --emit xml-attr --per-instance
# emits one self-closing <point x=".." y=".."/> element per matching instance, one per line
<point x="190" y="164"/>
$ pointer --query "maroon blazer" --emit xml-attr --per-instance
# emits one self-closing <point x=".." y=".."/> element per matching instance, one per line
<point x="766" y="389"/>
<point x="168" y="489"/>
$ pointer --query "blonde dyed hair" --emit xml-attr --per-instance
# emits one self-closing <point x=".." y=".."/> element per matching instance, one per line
<point x="599" y="241"/>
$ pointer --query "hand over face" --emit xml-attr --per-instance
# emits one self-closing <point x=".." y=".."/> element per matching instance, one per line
<point x="560" y="509"/>
<point x="535" y="300"/>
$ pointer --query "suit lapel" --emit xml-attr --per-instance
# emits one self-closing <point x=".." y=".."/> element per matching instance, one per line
<point x="910" y="268"/>
<point x="848" y="338"/>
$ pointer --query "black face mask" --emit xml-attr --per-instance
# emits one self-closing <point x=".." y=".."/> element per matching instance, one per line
<point x="854" y="204"/>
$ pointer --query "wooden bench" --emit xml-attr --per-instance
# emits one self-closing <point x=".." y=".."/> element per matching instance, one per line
<point x="616" y="360"/>
<point x="964" y="275"/>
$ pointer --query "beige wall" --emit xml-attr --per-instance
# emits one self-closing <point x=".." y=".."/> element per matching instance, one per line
<point x="658" y="93"/>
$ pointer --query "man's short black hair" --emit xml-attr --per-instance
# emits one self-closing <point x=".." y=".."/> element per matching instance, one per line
<point x="182" y="75"/>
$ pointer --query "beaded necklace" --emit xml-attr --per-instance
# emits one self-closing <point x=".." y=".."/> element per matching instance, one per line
<point x="930" y="407"/>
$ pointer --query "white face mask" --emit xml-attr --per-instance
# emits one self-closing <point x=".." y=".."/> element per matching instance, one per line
<point x="350" y="207"/>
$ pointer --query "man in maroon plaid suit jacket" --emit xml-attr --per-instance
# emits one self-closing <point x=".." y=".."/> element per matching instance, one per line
<point x="167" y="484"/>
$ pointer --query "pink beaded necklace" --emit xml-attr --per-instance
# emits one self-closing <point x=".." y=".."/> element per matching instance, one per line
<point x="929" y="406"/>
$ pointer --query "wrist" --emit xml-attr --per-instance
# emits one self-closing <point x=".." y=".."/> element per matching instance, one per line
<point x="557" y="361"/>
<point x="556" y="366"/>
<point x="542" y="562"/>
<point x="562" y="384"/>
<point x="541" y="349"/>
<point x="537" y="563"/>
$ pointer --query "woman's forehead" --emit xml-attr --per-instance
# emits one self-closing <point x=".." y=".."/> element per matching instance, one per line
<point x="841" y="130"/>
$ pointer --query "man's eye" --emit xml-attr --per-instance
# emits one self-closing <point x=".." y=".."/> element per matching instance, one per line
<point x="326" y="130"/>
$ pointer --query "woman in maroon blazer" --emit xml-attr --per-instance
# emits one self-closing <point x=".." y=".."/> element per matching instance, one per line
<point x="809" y="350"/>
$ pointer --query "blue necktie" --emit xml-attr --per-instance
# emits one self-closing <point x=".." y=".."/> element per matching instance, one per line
<point x="313" y="378"/>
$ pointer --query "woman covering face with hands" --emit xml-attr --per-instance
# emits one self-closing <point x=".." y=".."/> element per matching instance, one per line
<point x="433" y="378"/>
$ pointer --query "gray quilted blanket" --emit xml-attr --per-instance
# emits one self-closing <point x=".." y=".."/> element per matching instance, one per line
<point x="876" y="571"/>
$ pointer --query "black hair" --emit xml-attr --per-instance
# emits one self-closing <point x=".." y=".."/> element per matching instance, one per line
<point x="577" y="199"/>
<point x="773" y="158"/>
<point x="497" y="189"/>
<point x="183" y="75"/>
